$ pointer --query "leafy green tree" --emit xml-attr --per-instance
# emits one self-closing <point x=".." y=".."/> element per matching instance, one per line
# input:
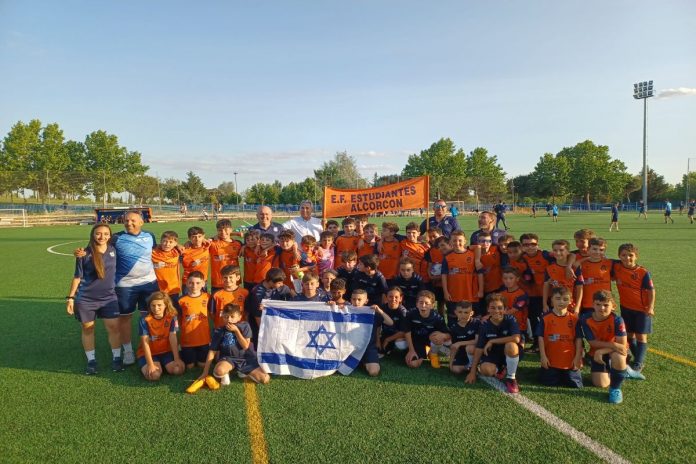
<point x="263" y="194"/>
<point x="378" y="181"/>
<point x="687" y="185"/>
<point x="551" y="176"/>
<point x="633" y="184"/>
<point x="524" y="186"/>
<point x="144" y="188"/>
<point x="192" y="189"/>
<point x="20" y="146"/>
<point x="485" y="176"/>
<point x="658" y="188"/>
<point x="49" y="162"/>
<point x="75" y="178"/>
<point x="227" y="193"/>
<point x="171" y="190"/>
<point x="444" y="163"/>
<point x="296" y="192"/>
<point x="341" y="172"/>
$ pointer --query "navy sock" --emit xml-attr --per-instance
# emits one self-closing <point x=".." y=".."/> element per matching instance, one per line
<point x="633" y="346"/>
<point x="616" y="377"/>
<point x="641" y="351"/>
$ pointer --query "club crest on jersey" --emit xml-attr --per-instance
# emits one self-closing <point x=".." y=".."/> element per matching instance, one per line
<point x="112" y="254"/>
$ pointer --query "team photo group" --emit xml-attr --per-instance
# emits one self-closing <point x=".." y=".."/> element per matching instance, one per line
<point x="431" y="294"/>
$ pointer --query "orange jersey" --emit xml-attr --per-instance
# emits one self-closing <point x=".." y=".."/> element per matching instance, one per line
<point x="526" y="278"/>
<point x="556" y="276"/>
<point x="462" y="277"/>
<point x="597" y="277"/>
<point x="602" y="331"/>
<point x="222" y="254"/>
<point x="249" y="257"/>
<point x="517" y="302"/>
<point x="559" y="333"/>
<point x="434" y="259"/>
<point x="344" y="243"/>
<point x="537" y="265"/>
<point x="288" y="259"/>
<point x="366" y="249"/>
<point x="415" y="251"/>
<point x="157" y="332"/>
<point x="265" y="263"/>
<point x="633" y="286"/>
<point x="389" y="259"/>
<point x="223" y="297"/>
<point x="195" y="259"/>
<point x="194" y="320"/>
<point x="492" y="277"/>
<point x="166" y="264"/>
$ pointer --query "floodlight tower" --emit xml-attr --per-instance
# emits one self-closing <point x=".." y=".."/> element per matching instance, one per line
<point x="643" y="91"/>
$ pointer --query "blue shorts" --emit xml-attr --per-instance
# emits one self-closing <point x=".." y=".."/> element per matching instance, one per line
<point x="636" y="321"/>
<point x="596" y="367"/>
<point x="555" y="377"/>
<point x="194" y="354"/>
<point x="461" y="358"/>
<point x="371" y="355"/>
<point x="245" y="366"/>
<point x="163" y="359"/>
<point x="130" y="297"/>
<point x="496" y="355"/>
<point x="88" y="311"/>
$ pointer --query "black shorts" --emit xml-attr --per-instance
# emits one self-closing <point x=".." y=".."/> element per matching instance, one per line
<point x="193" y="354"/>
<point x="163" y="359"/>
<point x="88" y="311"/>
<point x="596" y="367"/>
<point x="246" y="365"/>
<point x="554" y="377"/>
<point x="371" y="355"/>
<point x="636" y="321"/>
<point x="496" y="355"/>
<point x="461" y="358"/>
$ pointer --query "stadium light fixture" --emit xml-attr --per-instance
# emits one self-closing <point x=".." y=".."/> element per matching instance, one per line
<point x="643" y="91"/>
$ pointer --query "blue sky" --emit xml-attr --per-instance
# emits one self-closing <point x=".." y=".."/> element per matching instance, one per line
<point x="273" y="89"/>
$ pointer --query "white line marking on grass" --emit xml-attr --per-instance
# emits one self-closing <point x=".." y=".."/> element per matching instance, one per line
<point x="50" y="249"/>
<point x="559" y="424"/>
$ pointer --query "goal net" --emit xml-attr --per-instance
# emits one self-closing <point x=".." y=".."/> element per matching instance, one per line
<point x="13" y="218"/>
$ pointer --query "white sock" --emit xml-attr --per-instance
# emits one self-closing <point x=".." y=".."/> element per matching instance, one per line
<point x="116" y="352"/>
<point x="435" y="349"/>
<point x="511" y="366"/>
<point x="471" y="358"/>
<point x="127" y="348"/>
<point x="91" y="355"/>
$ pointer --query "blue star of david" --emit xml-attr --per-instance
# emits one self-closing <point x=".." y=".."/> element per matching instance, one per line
<point x="313" y="339"/>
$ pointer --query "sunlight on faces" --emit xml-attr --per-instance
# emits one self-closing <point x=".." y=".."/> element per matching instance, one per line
<point x="560" y="302"/>
<point x="387" y="233"/>
<point x="358" y="300"/>
<point x="168" y="244"/>
<point x="306" y="210"/>
<point x="424" y="305"/>
<point x="394" y="299"/>
<point x="224" y="233"/>
<point x="101" y="235"/>
<point x="133" y="222"/>
<point x="458" y="243"/>
<point x="368" y="234"/>
<point x="463" y="315"/>
<point x="348" y="229"/>
<point x="597" y="251"/>
<point x="530" y="247"/>
<point x="251" y="241"/>
<point x="196" y="240"/>
<point x="602" y="309"/>
<point x="412" y="235"/>
<point x="231" y="280"/>
<point x="582" y="243"/>
<point x="440" y="209"/>
<point x="194" y="285"/>
<point x="560" y="252"/>
<point x="157" y="308"/>
<point x="327" y="278"/>
<point x="485" y="221"/>
<point x="265" y="242"/>
<point x="326" y="242"/>
<point x="264" y="216"/>
<point x="310" y="287"/>
<point x="406" y="270"/>
<point x="286" y="243"/>
<point x="628" y="258"/>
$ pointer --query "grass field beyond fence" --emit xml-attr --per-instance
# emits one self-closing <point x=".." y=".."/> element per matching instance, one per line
<point x="51" y="412"/>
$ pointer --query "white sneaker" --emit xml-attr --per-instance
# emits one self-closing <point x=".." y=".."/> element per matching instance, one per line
<point x="128" y="358"/>
<point x="225" y="380"/>
<point x="240" y="375"/>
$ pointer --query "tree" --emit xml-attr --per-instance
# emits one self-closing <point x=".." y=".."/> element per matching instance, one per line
<point x="551" y="176"/>
<point x="295" y="193"/>
<point x="378" y="181"/>
<point x="658" y="188"/>
<point x="75" y="179"/>
<point x="687" y="185"/>
<point x="227" y="193"/>
<point x="49" y="162"/>
<point x="192" y="189"/>
<point x="20" y="146"/>
<point x="341" y="172"/>
<point x="444" y="163"/>
<point x="263" y="194"/>
<point x="524" y="186"/>
<point x="485" y="176"/>
<point x="171" y="190"/>
<point x="633" y="184"/>
<point x="144" y="188"/>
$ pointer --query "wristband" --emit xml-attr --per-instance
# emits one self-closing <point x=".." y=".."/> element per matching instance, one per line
<point x="69" y="297"/>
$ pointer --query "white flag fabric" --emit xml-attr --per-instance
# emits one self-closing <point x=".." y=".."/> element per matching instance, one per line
<point x="311" y="339"/>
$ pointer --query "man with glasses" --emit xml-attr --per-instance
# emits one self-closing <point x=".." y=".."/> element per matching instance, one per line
<point x="486" y="223"/>
<point x="447" y="224"/>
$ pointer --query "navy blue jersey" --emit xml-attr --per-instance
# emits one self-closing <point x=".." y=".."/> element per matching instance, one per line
<point x="92" y="288"/>
<point x="448" y="225"/>
<point x="260" y="293"/>
<point x="321" y="296"/>
<point x="496" y="234"/>
<point x="376" y="326"/>
<point x="344" y="274"/>
<point x="397" y="315"/>
<point x="227" y="344"/>
<point x="466" y="333"/>
<point x="274" y="228"/>
<point x="421" y="328"/>
<point x="489" y="331"/>
<point x="375" y="286"/>
<point x="410" y="287"/>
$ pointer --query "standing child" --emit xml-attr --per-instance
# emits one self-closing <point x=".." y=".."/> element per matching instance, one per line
<point x="390" y="251"/>
<point x="370" y="279"/>
<point x="489" y="263"/>
<point x="271" y="288"/>
<point x="582" y="239"/>
<point x="557" y="276"/>
<point x="464" y="333"/>
<point x="637" y="300"/>
<point x="224" y="251"/>
<point x="327" y="277"/>
<point x="326" y="251"/>
<point x="338" y="291"/>
<point x="348" y="241"/>
<point x="231" y="346"/>
<point x="606" y="334"/>
<point x="367" y="245"/>
<point x="460" y="279"/>
<point x="614" y="217"/>
<point x="230" y="292"/>
<point x="348" y="270"/>
<point x="596" y="272"/>
<point x="195" y="332"/>
<point x="497" y="346"/>
<point x="560" y="349"/>
<point x="158" y="348"/>
<point x="409" y="282"/>
<point x="251" y="242"/>
<point x="538" y="261"/>
<point x="690" y="211"/>
<point x="515" y="258"/>
<point x="308" y="254"/>
<point x="554" y="212"/>
<point x="415" y="250"/>
<point x="289" y="257"/>
<point x="267" y="256"/>
<point x="332" y="226"/>
<point x="165" y="261"/>
<point x="425" y="330"/>
<point x="196" y="257"/>
<point x="439" y="247"/>
<point x="516" y="300"/>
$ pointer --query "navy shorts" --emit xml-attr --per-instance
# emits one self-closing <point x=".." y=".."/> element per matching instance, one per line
<point x="130" y="297"/>
<point x="419" y="346"/>
<point x="615" y="219"/>
<point x="437" y="290"/>
<point x="636" y="321"/>
<point x="193" y="354"/>
<point x="461" y="358"/>
<point x="246" y="366"/>
<point x="371" y="355"/>
<point x="88" y="311"/>
<point x="496" y="355"/>
<point x="163" y="359"/>
<point x="668" y="213"/>
<point x="596" y="367"/>
<point x="554" y="377"/>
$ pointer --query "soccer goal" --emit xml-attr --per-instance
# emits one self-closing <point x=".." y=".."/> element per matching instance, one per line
<point x="13" y="218"/>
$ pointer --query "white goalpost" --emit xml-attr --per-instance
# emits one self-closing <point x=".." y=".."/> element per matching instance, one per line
<point x="13" y="217"/>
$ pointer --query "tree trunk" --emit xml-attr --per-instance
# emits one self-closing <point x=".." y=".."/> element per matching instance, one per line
<point x="587" y="199"/>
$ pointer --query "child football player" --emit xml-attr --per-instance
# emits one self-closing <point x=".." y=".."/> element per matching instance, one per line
<point x="195" y="257"/>
<point x="409" y="282"/>
<point x="424" y="328"/>
<point x="557" y="276"/>
<point x="415" y="250"/>
<point x="159" y="348"/>
<point x="370" y="279"/>
<point x="251" y="242"/>
<point x="224" y="251"/>
<point x="326" y="251"/>
<point x="464" y="333"/>
<point x="497" y="348"/>
<point x="195" y="333"/>
<point x="392" y="336"/>
<point x="560" y="349"/>
<point x="348" y="240"/>
<point x="348" y="270"/>
<point x="516" y="300"/>
<point x="371" y="357"/>
<point x="310" y="289"/>
<point x="230" y="292"/>
<point x="596" y="273"/>
<point x="460" y="279"/>
<point x="165" y="260"/>
<point x="390" y="251"/>
<point x="338" y="291"/>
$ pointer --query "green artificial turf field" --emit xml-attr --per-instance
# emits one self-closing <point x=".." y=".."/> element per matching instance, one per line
<point x="50" y="411"/>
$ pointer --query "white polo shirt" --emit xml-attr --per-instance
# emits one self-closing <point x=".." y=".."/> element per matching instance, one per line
<point x="300" y="227"/>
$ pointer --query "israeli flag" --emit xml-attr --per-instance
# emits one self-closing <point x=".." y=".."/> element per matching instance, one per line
<point x="311" y="339"/>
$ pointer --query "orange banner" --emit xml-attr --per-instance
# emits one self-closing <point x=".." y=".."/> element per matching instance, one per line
<point x="409" y="194"/>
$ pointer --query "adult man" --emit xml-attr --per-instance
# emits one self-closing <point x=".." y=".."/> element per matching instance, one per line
<point x="266" y="225"/>
<point x="486" y="223"/>
<point x="447" y="224"/>
<point x="305" y="224"/>
<point x="499" y="210"/>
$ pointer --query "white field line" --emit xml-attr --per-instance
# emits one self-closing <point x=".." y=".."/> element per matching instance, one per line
<point x="50" y="249"/>
<point x="559" y="424"/>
